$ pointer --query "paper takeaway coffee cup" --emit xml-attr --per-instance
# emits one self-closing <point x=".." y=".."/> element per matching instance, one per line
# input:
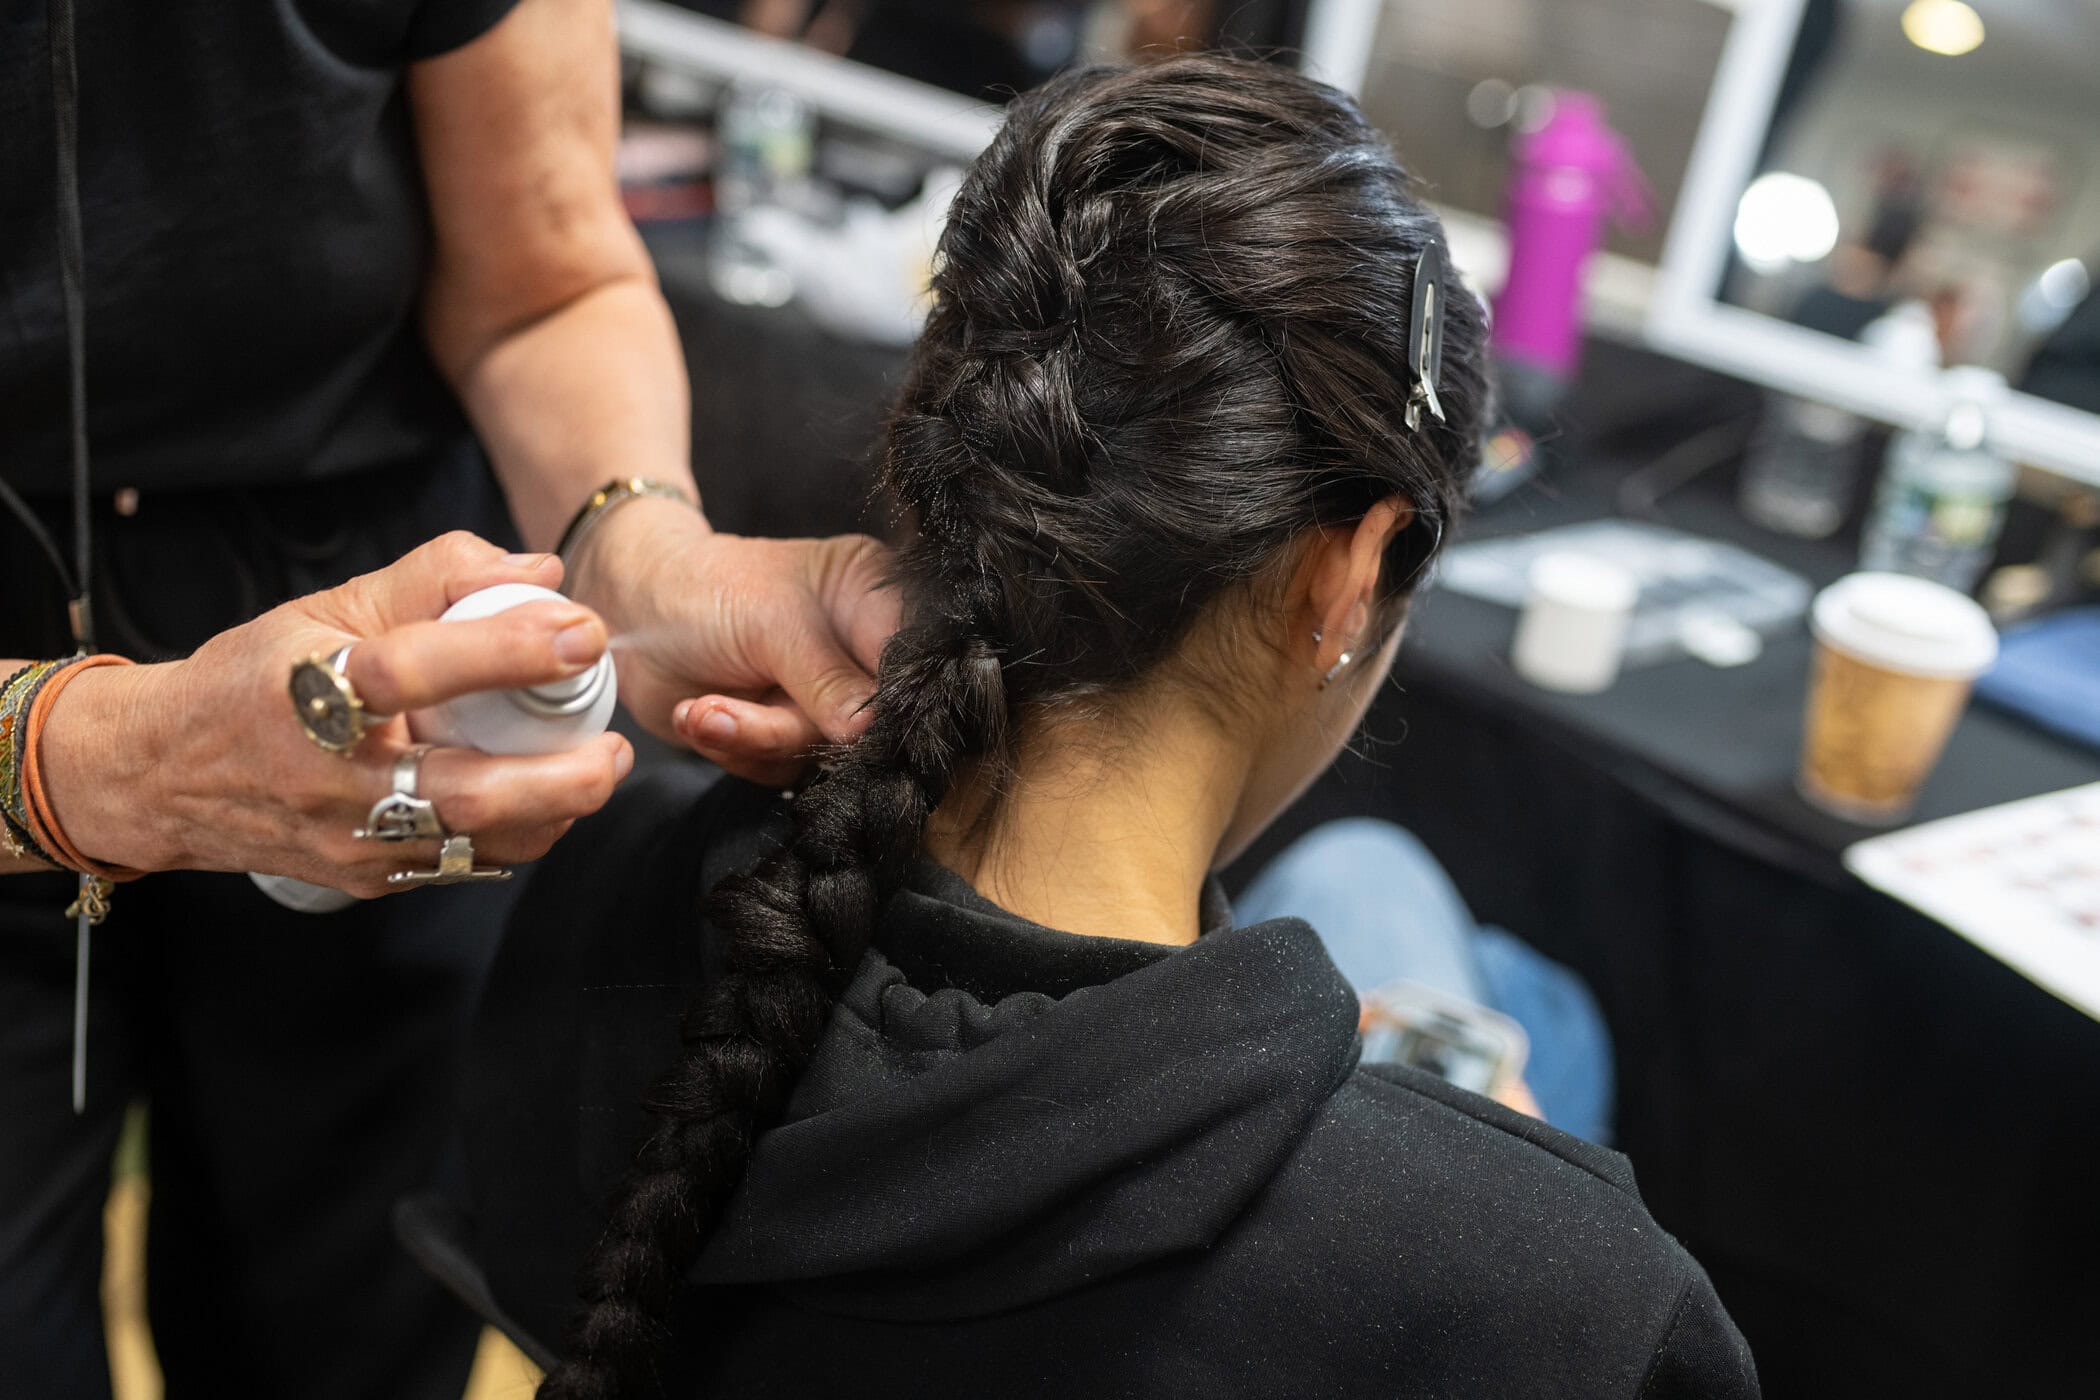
<point x="1895" y="659"/>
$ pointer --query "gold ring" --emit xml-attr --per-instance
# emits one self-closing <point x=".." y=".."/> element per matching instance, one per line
<point x="327" y="705"/>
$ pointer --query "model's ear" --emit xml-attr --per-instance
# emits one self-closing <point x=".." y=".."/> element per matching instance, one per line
<point x="1341" y="579"/>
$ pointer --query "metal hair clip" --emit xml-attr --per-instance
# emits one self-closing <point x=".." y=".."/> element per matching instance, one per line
<point x="1425" y="335"/>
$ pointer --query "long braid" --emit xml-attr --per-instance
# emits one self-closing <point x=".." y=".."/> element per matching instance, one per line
<point x="797" y="925"/>
<point x="1168" y="338"/>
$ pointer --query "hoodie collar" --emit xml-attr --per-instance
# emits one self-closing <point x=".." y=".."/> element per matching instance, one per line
<point x="1000" y="1113"/>
<point x="952" y="936"/>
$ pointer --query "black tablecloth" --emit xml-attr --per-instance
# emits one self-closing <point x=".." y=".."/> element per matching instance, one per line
<point x="1878" y="1139"/>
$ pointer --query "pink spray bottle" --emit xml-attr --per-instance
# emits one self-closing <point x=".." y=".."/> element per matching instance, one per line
<point x="1564" y="177"/>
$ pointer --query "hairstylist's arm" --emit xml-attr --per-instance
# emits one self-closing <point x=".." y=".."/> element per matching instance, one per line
<point x="201" y="764"/>
<point x="543" y="311"/>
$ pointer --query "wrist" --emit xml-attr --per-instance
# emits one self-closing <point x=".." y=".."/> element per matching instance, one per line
<point x="99" y="761"/>
<point x="610" y="569"/>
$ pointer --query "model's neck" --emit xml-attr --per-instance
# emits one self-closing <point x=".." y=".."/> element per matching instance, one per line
<point x="1101" y="831"/>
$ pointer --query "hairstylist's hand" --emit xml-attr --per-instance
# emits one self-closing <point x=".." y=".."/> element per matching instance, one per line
<point x="202" y="764"/>
<point x="751" y="650"/>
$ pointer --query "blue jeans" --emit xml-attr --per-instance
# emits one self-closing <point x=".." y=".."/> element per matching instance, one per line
<point x="1386" y="910"/>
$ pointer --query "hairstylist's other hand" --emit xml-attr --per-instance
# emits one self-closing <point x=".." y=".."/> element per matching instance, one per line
<point x="202" y="764"/>
<point x="753" y="651"/>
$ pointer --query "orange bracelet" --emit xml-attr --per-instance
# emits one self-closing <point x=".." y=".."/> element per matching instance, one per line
<point x="44" y="821"/>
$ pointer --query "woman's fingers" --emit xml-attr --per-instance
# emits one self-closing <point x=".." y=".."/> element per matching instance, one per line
<point x="824" y="653"/>
<point x="487" y="795"/>
<point x="432" y="577"/>
<point x="867" y="611"/>
<point x="764" y="742"/>
<point x="424" y="663"/>
<point x="519" y="847"/>
<point x="514" y="808"/>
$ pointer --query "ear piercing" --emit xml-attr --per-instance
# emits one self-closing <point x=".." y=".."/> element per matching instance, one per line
<point x="1336" y="668"/>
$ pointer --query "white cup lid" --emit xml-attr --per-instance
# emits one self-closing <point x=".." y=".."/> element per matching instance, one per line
<point x="1583" y="581"/>
<point x="1906" y="624"/>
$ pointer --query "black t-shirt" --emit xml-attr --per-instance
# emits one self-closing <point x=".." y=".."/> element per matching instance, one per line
<point x="256" y="237"/>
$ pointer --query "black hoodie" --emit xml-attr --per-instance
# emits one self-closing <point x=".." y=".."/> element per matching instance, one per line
<point x="1024" y="1163"/>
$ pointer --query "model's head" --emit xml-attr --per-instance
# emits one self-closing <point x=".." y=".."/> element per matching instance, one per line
<point x="1154" y="437"/>
<point x="1164" y="382"/>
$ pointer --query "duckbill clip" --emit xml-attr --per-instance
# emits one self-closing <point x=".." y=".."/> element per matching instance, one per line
<point x="1425" y="335"/>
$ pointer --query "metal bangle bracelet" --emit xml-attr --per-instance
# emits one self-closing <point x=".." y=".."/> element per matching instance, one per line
<point x="608" y="498"/>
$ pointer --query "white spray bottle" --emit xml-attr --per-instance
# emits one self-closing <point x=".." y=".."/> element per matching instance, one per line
<point x="541" y="719"/>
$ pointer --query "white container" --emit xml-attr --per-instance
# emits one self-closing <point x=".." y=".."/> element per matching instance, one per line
<point x="1572" y="632"/>
<point x="541" y="719"/>
<point x="301" y="897"/>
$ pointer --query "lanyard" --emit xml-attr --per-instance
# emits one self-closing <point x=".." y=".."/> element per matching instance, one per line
<point x="65" y="113"/>
<point x="77" y="579"/>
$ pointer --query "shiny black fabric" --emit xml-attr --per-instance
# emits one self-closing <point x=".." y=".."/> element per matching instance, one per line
<point x="1026" y="1163"/>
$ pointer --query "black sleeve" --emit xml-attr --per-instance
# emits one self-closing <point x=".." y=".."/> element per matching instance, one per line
<point x="1701" y="1355"/>
<point x="441" y="26"/>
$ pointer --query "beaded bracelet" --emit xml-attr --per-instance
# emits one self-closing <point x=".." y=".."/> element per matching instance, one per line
<point x="16" y="696"/>
<point x="42" y="821"/>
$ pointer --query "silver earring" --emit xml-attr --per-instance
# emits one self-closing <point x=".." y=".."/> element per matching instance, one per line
<point x="1335" y="670"/>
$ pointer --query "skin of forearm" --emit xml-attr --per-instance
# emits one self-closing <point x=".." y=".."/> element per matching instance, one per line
<point x="589" y="391"/>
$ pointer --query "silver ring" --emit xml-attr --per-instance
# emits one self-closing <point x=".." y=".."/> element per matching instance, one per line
<point x="403" y="815"/>
<point x="455" y="867"/>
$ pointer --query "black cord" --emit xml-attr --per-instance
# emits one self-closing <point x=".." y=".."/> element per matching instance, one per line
<point x="65" y="112"/>
<point x="21" y="511"/>
<point x="65" y="101"/>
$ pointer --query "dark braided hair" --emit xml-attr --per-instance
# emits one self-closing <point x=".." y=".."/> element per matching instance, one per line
<point x="1169" y="336"/>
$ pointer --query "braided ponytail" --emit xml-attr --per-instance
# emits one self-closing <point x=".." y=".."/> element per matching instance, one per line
<point x="1168" y="338"/>
<point x="798" y="925"/>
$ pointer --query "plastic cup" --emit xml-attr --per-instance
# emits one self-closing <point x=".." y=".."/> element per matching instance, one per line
<point x="1895" y="659"/>
<point x="1572" y="632"/>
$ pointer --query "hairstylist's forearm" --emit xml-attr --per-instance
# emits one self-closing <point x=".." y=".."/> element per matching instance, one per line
<point x="591" y="391"/>
<point x="542" y="307"/>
